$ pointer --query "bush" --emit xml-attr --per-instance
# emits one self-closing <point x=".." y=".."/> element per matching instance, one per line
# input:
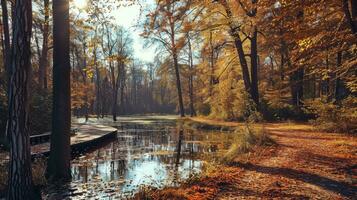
<point x="245" y="140"/>
<point x="234" y="104"/>
<point x="203" y="109"/>
<point x="278" y="111"/>
<point x="334" y="116"/>
<point x="40" y="112"/>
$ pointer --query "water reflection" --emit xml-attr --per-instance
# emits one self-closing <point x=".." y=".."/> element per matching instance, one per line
<point x="156" y="156"/>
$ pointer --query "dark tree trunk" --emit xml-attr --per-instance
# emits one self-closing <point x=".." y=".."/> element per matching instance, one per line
<point x="115" y="104"/>
<point x="297" y="86"/>
<point x="243" y="62"/>
<point x="178" y="149"/>
<point x="177" y="70"/>
<point x="116" y="90"/>
<point x="121" y="87"/>
<point x="351" y="14"/>
<point x="97" y="81"/>
<point x="7" y="47"/>
<point x="59" y="161"/>
<point x="44" y="54"/>
<point x="239" y="48"/>
<point x="282" y="63"/>
<point x="338" y="81"/>
<point x="211" y="81"/>
<point x="98" y="95"/>
<point x="20" y="184"/>
<point x="254" y="68"/>
<point x="84" y="74"/>
<point x="271" y="75"/>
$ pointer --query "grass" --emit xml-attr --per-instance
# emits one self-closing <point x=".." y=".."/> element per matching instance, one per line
<point x="245" y="140"/>
<point x="192" y="124"/>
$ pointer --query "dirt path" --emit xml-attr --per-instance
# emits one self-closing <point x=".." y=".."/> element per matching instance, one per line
<point x="305" y="165"/>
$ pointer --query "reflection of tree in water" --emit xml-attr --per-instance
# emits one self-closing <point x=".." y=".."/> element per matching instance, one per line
<point x="97" y="163"/>
<point x="176" y="176"/>
<point x="112" y="164"/>
<point x="172" y="152"/>
<point x="179" y="145"/>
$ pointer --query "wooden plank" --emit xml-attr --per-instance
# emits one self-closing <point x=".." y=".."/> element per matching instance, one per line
<point x="87" y="134"/>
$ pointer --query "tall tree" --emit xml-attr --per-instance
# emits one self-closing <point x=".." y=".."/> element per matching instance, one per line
<point x="163" y="26"/>
<point x="6" y="32"/>
<point x="250" y="77"/>
<point x="20" y="184"/>
<point x="350" y="9"/>
<point x="43" y="64"/>
<point x="59" y="161"/>
<point x="6" y="45"/>
<point x="190" y="77"/>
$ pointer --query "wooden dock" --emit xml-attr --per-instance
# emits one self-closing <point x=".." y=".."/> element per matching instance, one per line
<point x="86" y="135"/>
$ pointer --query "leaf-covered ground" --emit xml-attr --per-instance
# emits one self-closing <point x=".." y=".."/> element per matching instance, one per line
<point x="304" y="165"/>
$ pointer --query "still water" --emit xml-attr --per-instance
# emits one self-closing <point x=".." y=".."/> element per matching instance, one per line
<point x="146" y="152"/>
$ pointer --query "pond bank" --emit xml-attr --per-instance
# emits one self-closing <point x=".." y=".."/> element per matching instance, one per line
<point x="305" y="164"/>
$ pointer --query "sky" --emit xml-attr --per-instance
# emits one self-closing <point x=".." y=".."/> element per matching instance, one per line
<point x="128" y="17"/>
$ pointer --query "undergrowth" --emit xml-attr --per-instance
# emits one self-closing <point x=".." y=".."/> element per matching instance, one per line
<point x="245" y="140"/>
<point x="332" y="116"/>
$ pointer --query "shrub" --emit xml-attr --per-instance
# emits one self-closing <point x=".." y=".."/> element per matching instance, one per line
<point x="280" y="111"/>
<point x="40" y="112"/>
<point x="334" y="116"/>
<point x="234" y="104"/>
<point x="203" y="109"/>
<point x="245" y="140"/>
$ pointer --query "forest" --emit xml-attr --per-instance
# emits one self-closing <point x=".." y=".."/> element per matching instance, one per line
<point x="178" y="99"/>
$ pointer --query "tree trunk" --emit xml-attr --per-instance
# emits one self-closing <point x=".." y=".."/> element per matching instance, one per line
<point x="337" y="94"/>
<point x="190" y="79"/>
<point x="59" y="161"/>
<point x="178" y="149"/>
<point x="7" y="50"/>
<point x="177" y="70"/>
<point x="20" y="184"/>
<point x="297" y="86"/>
<point x="84" y="74"/>
<point x="44" y="54"/>
<point x="178" y="85"/>
<point x="116" y="88"/>
<point x="6" y="47"/>
<point x="282" y="62"/>
<point x="211" y="80"/>
<point x="239" y="48"/>
<point x="115" y="104"/>
<point x="254" y="68"/>
<point x="97" y="80"/>
<point x="122" y="86"/>
<point x="351" y="15"/>
<point x="98" y="95"/>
